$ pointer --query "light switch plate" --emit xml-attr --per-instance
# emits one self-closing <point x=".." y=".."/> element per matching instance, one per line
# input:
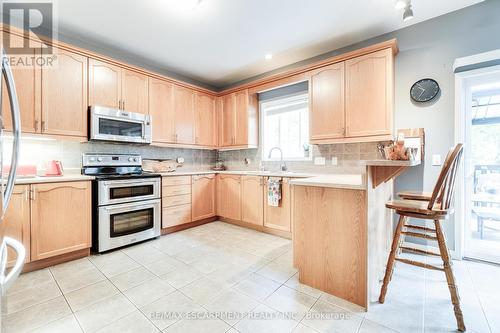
<point x="334" y="160"/>
<point x="319" y="161"/>
<point x="436" y="159"/>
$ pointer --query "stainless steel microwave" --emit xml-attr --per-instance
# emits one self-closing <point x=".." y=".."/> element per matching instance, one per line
<point x="107" y="124"/>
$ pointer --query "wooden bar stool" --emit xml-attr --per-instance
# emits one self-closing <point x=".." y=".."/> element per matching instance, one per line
<point x="427" y="206"/>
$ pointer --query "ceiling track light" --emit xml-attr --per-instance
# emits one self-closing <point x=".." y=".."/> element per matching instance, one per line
<point x="401" y="4"/>
<point x="408" y="13"/>
<point x="407" y="9"/>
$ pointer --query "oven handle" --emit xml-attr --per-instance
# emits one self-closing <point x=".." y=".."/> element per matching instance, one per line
<point x="126" y="207"/>
<point x="138" y="182"/>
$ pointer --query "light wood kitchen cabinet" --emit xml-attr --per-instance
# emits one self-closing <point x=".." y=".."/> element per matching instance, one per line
<point x="176" y="201"/>
<point x="64" y="95"/>
<point x="252" y="199"/>
<point x="105" y="84"/>
<point x="239" y="120"/>
<point x="229" y="197"/>
<point x="56" y="226"/>
<point x="28" y="86"/>
<point x="327" y="111"/>
<point x="279" y="217"/>
<point x="17" y="220"/>
<point x="161" y="109"/>
<point x="184" y="115"/>
<point x="369" y="94"/>
<point x="134" y="92"/>
<point x="205" y="134"/>
<point x="203" y="197"/>
<point x="115" y="87"/>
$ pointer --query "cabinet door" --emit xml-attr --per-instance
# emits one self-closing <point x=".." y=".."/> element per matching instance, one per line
<point x="203" y="197"/>
<point x="161" y="109"/>
<point x="104" y="84"/>
<point x="205" y="120"/>
<point x="17" y="221"/>
<point x="184" y="115"/>
<point x="279" y="217"/>
<point x="252" y="199"/>
<point x="134" y="92"/>
<point x="60" y="218"/>
<point x="28" y="85"/>
<point x="242" y="103"/>
<point x="227" y="120"/>
<point x="369" y="94"/>
<point x="229" y="199"/>
<point x="327" y="113"/>
<point x="64" y="95"/>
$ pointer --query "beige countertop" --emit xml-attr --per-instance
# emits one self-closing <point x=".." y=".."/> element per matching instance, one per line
<point x="393" y="163"/>
<point x="349" y="181"/>
<point x="54" y="179"/>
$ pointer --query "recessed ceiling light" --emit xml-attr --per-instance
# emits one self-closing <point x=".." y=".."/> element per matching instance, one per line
<point x="268" y="56"/>
<point x="408" y="13"/>
<point x="401" y="4"/>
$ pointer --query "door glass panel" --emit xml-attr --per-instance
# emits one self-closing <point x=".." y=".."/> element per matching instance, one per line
<point x="130" y="191"/>
<point x="117" y="127"/>
<point x="131" y="222"/>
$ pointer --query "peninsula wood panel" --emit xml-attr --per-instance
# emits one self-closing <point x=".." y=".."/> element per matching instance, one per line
<point x="184" y="115"/>
<point x="205" y="129"/>
<point x="57" y="227"/>
<point x="134" y="92"/>
<point x="330" y="241"/>
<point x="279" y="217"/>
<point x="105" y="84"/>
<point x="64" y="95"/>
<point x="203" y="197"/>
<point x="369" y="94"/>
<point x="17" y="221"/>
<point x="229" y="197"/>
<point x="327" y="111"/>
<point x="28" y="87"/>
<point x="161" y="109"/>
<point x="252" y="199"/>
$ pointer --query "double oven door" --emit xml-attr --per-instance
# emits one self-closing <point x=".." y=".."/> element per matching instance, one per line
<point x="128" y="212"/>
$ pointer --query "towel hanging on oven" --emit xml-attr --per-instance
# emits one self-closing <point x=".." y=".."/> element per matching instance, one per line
<point x="274" y="191"/>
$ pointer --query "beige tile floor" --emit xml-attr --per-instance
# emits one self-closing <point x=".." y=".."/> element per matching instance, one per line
<point x="223" y="278"/>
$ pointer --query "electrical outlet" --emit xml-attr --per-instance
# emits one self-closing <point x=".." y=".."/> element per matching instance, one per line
<point x="436" y="159"/>
<point x="334" y="160"/>
<point x="180" y="160"/>
<point x="319" y="161"/>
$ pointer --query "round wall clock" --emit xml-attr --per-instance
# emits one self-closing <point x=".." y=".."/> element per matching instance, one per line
<point x="424" y="90"/>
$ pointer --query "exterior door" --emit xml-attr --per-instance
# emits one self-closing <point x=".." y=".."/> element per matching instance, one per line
<point x="64" y="96"/>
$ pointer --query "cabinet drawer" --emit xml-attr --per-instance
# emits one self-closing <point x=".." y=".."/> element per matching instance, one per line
<point x="172" y="216"/>
<point x="184" y="199"/>
<point x="169" y="191"/>
<point x="179" y="180"/>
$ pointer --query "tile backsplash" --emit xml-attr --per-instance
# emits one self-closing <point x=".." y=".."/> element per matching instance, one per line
<point x="348" y="156"/>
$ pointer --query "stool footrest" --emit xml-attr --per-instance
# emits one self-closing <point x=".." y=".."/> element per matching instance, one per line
<point x="416" y="227"/>
<point x="419" y="264"/>
<point x="419" y="235"/>
<point x="414" y="250"/>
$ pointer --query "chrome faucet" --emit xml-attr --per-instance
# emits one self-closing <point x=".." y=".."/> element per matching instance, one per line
<point x="282" y="163"/>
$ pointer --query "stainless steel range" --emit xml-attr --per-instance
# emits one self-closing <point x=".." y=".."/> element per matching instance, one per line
<point x="126" y="201"/>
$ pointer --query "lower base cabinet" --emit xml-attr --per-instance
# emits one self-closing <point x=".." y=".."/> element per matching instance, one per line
<point x="203" y="197"/>
<point x="176" y="201"/>
<point x="229" y="197"/>
<point x="17" y="221"/>
<point x="60" y="218"/>
<point x="279" y="217"/>
<point x="252" y="199"/>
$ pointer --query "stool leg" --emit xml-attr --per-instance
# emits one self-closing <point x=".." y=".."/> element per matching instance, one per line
<point x="455" y="298"/>
<point x="392" y="256"/>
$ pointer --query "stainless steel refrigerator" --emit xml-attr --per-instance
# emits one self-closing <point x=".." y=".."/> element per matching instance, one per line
<point x="9" y="275"/>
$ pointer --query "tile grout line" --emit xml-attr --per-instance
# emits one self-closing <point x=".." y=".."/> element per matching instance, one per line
<point x="477" y="296"/>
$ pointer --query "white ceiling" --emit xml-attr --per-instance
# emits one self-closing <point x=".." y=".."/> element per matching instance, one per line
<point x="224" y="41"/>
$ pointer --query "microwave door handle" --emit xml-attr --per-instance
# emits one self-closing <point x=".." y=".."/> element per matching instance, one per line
<point x="7" y="280"/>
<point x="16" y="130"/>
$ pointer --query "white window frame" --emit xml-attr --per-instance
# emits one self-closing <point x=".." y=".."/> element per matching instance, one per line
<point x="275" y="158"/>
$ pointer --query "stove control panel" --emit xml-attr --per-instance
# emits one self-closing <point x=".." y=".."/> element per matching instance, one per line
<point x="92" y="159"/>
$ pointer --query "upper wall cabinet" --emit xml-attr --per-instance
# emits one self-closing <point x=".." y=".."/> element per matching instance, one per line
<point x="369" y="94"/>
<point x="239" y="121"/>
<point x="353" y="100"/>
<point x="205" y="129"/>
<point x="64" y="95"/>
<point x="27" y="81"/>
<point x="116" y="87"/>
<point x="161" y="109"/>
<point x="327" y="111"/>
<point x="184" y="115"/>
